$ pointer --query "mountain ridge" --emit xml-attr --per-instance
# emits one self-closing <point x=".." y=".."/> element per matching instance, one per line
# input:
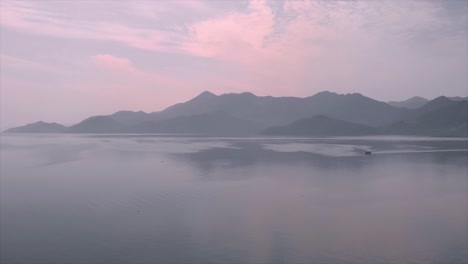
<point x="411" y="103"/>
<point x="258" y="113"/>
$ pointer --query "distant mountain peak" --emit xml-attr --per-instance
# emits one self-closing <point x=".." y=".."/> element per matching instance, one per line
<point x="411" y="103"/>
<point x="128" y="112"/>
<point x="326" y="93"/>
<point x="441" y="99"/>
<point x="38" y="127"/>
<point x="355" y="95"/>
<point x="206" y="94"/>
<point x="243" y="94"/>
<point x="417" y="98"/>
<point x="45" y="123"/>
<point x="98" y="117"/>
<point x="438" y="102"/>
<point x="247" y="94"/>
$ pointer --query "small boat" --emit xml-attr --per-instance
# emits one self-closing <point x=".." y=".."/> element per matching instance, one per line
<point x="367" y="152"/>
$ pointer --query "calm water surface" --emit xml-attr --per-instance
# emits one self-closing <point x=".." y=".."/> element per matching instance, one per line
<point x="161" y="199"/>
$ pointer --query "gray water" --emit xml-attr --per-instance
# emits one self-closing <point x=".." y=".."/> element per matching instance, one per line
<point x="161" y="199"/>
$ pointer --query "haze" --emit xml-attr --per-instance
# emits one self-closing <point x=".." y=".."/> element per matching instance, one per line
<point x="64" y="61"/>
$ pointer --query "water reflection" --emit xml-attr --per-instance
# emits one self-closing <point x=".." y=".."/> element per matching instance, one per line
<point x="209" y="200"/>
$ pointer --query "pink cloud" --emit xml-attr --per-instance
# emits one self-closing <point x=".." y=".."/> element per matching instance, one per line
<point x="124" y="66"/>
<point x="112" y="62"/>
<point x="245" y="39"/>
<point x="232" y="37"/>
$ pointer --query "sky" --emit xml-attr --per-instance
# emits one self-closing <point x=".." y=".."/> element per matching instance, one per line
<point x="63" y="61"/>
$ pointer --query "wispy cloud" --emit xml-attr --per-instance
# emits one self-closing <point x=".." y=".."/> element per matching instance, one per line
<point x="11" y="62"/>
<point x="235" y="35"/>
<point x="26" y="17"/>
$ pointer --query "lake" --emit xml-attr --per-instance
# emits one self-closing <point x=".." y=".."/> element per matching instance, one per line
<point x="173" y="199"/>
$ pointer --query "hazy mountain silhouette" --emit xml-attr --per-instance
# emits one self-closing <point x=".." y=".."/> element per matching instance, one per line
<point x="270" y="111"/>
<point x="97" y="124"/>
<point x="130" y="117"/>
<point x="417" y="101"/>
<point x="457" y="98"/>
<point x="436" y="103"/>
<point x="320" y="126"/>
<point x="212" y="123"/>
<point x="450" y="116"/>
<point x="359" y="109"/>
<point x="440" y="117"/>
<point x="411" y="103"/>
<point x="38" y="127"/>
<point x="433" y="105"/>
<point x="246" y="113"/>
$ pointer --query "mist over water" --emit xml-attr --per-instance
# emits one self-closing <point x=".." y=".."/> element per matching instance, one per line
<point x="164" y="199"/>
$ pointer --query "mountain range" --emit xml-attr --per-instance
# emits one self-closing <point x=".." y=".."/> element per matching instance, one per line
<point x="411" y="103"/>
<point x="323" y="114"/>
